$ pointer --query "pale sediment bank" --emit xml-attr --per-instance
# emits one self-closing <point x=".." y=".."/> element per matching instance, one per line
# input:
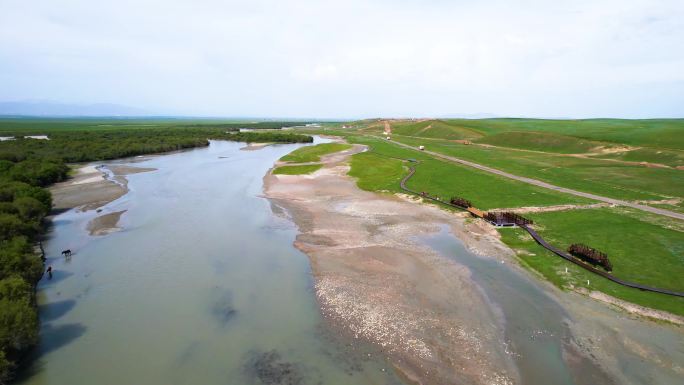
<point x="374" y="280"/>
<point x="254" y="146"/>
<point x="631" y="348"/>
<point x="105" y="224"/>
<point x="634" y="309"/>
<point x="92" y="187"/>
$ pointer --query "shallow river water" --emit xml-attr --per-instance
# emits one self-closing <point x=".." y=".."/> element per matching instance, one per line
<point x="535" y="325"/>
<point x="203" y="286"/>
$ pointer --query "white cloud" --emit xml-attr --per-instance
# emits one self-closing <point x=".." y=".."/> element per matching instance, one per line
<point x="349" y="58"/>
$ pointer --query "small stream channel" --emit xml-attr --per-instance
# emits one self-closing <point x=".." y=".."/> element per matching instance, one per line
<point x="535" y="325"/>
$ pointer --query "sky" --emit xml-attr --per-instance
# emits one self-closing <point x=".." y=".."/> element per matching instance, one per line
<point x="350" y="58"/>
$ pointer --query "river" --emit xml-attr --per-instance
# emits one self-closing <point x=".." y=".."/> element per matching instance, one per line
<point x="202" y="286"/>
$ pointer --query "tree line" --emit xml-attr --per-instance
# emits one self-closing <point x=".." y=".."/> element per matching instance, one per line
<point x="84" y="146"/>
<point x="28" y="166"/>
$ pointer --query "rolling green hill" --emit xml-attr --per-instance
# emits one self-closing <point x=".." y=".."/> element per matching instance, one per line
<point x="654" y="133"/>
<point x="543" y="141"/>
<point x="439" y="129"/>
<point x="665" y="133"/>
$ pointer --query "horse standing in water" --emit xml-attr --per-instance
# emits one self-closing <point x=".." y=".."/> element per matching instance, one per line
<point x="66" y="253"/>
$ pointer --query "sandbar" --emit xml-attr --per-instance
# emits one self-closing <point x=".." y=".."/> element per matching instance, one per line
<point x="92" y="186"/>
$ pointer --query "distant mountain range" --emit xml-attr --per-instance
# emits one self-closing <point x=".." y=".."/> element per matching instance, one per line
<point x="49" y="108"/>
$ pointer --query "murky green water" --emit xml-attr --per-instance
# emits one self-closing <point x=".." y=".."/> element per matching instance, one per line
<point x="202" y="287"/>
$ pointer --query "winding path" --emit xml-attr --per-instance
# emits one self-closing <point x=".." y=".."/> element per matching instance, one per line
<point x="535" y="182"/>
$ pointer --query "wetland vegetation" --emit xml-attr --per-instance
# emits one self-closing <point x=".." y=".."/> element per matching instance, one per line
<point x="314" y="153"/>
<point x="309" y="154"/>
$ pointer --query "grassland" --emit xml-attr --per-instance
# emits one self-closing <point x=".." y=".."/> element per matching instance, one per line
<point x="600" y="156"/>
<point x="672" y="158"/>
<point x="374" y="172"/>
<point x="602" y="177"/>
<point x="663" y="133"/>
<point x="309" y="154"/>
<point x="314" y="153"/>
<point x="297" y="170"/>
<point x="543" y="141"/>
<point x="435" y="129"/>
<point x="656" y="140"/>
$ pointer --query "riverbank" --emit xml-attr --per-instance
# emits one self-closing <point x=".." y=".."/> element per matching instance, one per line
<point x="375" y="281"/>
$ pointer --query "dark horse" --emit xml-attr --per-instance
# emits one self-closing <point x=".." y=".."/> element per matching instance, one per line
<point x="66" y="253"/>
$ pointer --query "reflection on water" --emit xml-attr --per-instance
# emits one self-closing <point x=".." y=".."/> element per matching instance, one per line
<point x="52" y="311"/>
<point x="203" y="286"/>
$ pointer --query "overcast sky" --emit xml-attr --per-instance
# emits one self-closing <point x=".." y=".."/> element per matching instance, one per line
<point x="349" y="58"/>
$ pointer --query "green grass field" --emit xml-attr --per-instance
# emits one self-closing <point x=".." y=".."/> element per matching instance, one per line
<point x="542" y="141"/>
<point x="485" y="191"/>
<point x="297" y="170"/>
<point x="596" y="176"/>
<point x="665" y="133"/>
<point x="672" y="158"/>
<point x="314" y="153"/>
<point x="434" y="129"/>
<point x="374" y="172"/>
<point x="654" y="133"/>
<point x="655" y="140"/>
<point x="379" y="169"/>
